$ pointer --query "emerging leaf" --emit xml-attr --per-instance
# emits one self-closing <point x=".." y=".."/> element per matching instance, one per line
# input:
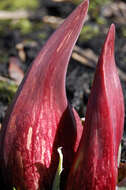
<point x="56" y="182"/>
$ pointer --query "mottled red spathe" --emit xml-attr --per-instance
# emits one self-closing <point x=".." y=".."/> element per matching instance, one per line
<point x="40" y="118"/>
<point x="95" y="165"/>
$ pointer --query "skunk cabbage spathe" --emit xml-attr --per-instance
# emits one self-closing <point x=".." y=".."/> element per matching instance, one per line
<point x="95" y="164"/>
<point x="40" y="118"/>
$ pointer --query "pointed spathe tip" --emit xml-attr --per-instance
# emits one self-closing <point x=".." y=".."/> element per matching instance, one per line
<point x="109" y="43"/>
<point x="108" y="48"/>
<point x="111" y="33"/>
<point x="112" y="27"/>
<point x="84" y="6"/>
<point x="85" y="3"/>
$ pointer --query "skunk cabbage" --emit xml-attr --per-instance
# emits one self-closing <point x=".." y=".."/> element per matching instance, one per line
<point x="40" y="118"/>
<point x="95" y="163"/>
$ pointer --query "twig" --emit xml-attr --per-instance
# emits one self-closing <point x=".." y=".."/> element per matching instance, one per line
<point x="53" y="21"/>
<point x="20" y="14"/>
<point x="4" y="79"/>
<point x="90" y="59"/>
<point x="86" y="57"/>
